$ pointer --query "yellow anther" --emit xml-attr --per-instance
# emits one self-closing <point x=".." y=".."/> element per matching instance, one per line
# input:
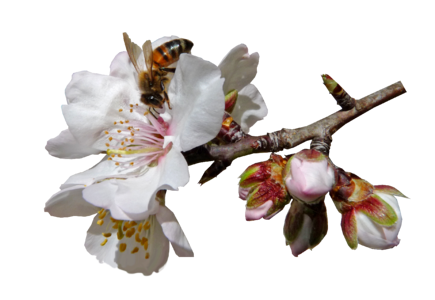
<point x="106" y="132"/>
<point x="136" y="249"/>
<point x="120" y="109"/>
<point x="126" y="121"/>
<point x="112" y="219"/>
<point x="119" y="131"/>
<point x="131" y="110"/>
<point x="147" y="225"/>
<point x="131" y="140"/>
<point x="136" y="237"/>
<point x="145" y="113"/>
<point x="101" y="211"/>
<point x="132" y="163"/>
<point x="137" y="104"/>
<point x="121" y="122"/>
<point x="110" y="138"/>
<point x="122" y="144"/>
<point x="147" y="255"/>
<point x="115" y="226"/>
<point x="119" y="155"/>
<point x="104" y="242"/>
<point x="107" y="144"/>
<point x="145" y="245"/>
<point x="130" y="232"/>
<point x="122" y="247"/>
<point x="132" y="133"/>
<point x="109" y="158"/>
<point x="113" y="155"/>
<point x="130" y="224"/>
<point x="131" y="105"/>
<point x="114" y="123"/>
<point x="100" y="222"/>
<point x="126" y="139"/>
<point x="137" y="129"/>
<point x="117" y="163"/>
<point x="139" y="228"/>
<point x="144" y="239"/>
<point x="102" y="215"/>
<point x="108" y="234"/>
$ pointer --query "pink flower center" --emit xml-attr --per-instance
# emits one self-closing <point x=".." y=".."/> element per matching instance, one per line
<point x="136" y="143"/>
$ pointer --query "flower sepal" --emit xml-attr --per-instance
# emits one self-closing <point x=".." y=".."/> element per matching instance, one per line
<point x="305" y="226"/>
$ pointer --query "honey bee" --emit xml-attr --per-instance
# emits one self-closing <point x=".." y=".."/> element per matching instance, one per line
<point x="152" y="81"/>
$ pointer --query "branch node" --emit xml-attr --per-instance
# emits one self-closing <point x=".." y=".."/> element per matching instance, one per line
<point x="321" y="144"/>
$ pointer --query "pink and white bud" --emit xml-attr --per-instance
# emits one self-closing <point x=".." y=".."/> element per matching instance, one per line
<point x="375" y="236"/>
<point x="305" y="226"/>
<point x="262" y="186"/>
<point x="370" y="214"/>
<point x="309" y="176"/>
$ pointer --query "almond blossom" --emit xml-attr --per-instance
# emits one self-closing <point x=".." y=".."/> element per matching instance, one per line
<point x="144" y="152"/>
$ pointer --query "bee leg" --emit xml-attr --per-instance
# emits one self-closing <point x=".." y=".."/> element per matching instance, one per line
<point x="149" y="109"/>
<point x="172" y="70"/>
<point x="162" y="85"/>
<point x="167" y="99"/>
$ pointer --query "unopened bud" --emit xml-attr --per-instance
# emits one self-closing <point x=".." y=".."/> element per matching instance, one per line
<point x="309" y="175"/>
<point x="230" y="100"/>
<point x="305" y="226"/>
<point x="370" y="214"/>
<point x="262" y="186"/>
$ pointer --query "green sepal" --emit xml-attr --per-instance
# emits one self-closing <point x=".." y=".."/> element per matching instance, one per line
<point x="293" y="221"/>
<point x="378" y="210"/>
<point x="319" y="223"/>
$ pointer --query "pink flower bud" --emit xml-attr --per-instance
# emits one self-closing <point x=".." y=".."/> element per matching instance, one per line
<point x="262" y="186"/>
<point x="309" y="176"/>
<point x="305" y="226"/>
<point x="370" y="214"/>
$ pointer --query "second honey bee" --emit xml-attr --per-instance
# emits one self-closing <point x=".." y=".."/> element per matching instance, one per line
<point x="152" y="81"/>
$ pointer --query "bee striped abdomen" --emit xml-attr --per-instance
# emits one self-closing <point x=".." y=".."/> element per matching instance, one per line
<point x="170" y="52"/>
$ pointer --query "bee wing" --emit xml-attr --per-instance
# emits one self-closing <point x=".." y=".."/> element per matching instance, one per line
<point x="133" y="51"/>
<point x="148" y="54"/>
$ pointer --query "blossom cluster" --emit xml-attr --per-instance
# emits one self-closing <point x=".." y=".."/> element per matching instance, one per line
<point x="143" y="150"/>
<point x="370" y="214"/>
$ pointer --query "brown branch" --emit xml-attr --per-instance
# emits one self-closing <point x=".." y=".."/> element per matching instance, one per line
<point x="289" y="138"/>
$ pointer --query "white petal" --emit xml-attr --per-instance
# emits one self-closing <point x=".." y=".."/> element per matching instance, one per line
<point x="371" y="234"/>
<point x="134" y="198"/>
<point x="66" y="146"/>
<point x="158" y="250"/>
<point x="197" y="102"/>
<point x="122" y="67"/>
<point x="392" y="232"/>
<point x="252" y="214"/>
<point x="174" y="233"/>
<point x="250" y="107"/>
<point x="69" y="202"/>
<point x="123" y="197"/>
<point x="104" y="169"/>
<point x="238" y="68"/>
<point x="174" y="171"/>
<point x="130" y="260"/>
<point x="94" y="103"/>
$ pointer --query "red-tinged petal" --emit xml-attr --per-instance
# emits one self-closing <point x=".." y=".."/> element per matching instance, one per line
<point x="378" y="210"/>
<point x="388" y="190"/>
<point x="349" y="227"/>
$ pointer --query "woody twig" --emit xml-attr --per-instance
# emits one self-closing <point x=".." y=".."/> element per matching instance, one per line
<point x="224" y="153"/>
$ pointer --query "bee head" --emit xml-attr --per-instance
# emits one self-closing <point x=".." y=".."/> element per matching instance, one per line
<point x="152" y="99"/>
